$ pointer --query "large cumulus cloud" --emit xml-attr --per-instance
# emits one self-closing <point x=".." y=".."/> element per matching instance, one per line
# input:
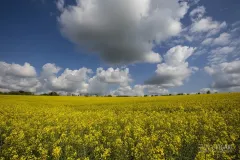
<point x="70" y="81"/>
<point x="137" y="90"/>
<point x="17" y="77"/>
<point x="104" y="79"/>
<point x="175" y="69"/>
<point x="121" y="31"/>
<point x="225" y="75"/>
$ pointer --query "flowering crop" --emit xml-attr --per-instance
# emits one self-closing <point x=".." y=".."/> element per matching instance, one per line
<point x="84" y="128"/>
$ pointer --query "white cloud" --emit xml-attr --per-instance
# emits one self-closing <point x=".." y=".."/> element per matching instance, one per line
<point x="215" y="31"/>
<point x="175" y="69"/>
<point x="155" y="90"/>
<point x="140" y="90"/>
<point x="205" y="90"/>
<point x="122" y="31"/>
<point x="137" y="90"/>
<point x="116" y="76"/>
<point x="60" y="5"/>
<point x="17" y="77"/>
<point x="178" y="55"/>
<point x="97" y="87"/>
<point x="69" y="81"/>
<point x="100" y="83"/>
<point x="207" y="41"/>
<point x="207" y="25"/>
<point x="197" y="13"/>
<point x="222" y="40"/>
<point x="236" y="24"/>
<point x="225" y="75"/>
<point x="224" y="47"/>
<point x="223" y="50"/>
<point x="220" y="54"/>
<point x="170" y="76"/>
<point x="202" y="27"/>
<point x="200" y="51"/>
<point x="17" y="70"/>
<point x="49" y="70"/>
<point x="194" y="2"/>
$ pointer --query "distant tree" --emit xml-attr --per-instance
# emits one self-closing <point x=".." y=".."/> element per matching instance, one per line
<point x="180" y="94"/>
<point x="21" y="92"/>
<point x="18" y="93"/>
<point x="44" y="94"/>
<point x="145" y="95"/>
<point x="53" y="94"/>
<point x="198" y="93"/>
<point x="208" y="92"/>
<point x="123" y="96"/>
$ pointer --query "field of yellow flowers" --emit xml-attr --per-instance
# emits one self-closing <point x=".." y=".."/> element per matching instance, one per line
<point x="165" y="127"/>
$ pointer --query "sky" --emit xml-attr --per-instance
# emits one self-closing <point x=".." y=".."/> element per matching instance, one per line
<point x="120" y="47"/>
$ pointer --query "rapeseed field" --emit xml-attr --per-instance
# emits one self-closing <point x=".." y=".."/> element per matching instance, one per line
<point x="202" y="127"/>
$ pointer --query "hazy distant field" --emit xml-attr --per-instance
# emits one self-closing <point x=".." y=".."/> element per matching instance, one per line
<point x="173" y="127"/>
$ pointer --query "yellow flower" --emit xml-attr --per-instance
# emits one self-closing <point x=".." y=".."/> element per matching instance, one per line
<point x="56" y="152"/>
<point x="106" y="153"/>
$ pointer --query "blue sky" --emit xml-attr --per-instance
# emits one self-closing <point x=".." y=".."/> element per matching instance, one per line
<point x="40" y="32"/>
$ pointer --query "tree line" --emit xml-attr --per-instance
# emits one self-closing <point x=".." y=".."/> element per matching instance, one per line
<point x="86" y="95"/>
